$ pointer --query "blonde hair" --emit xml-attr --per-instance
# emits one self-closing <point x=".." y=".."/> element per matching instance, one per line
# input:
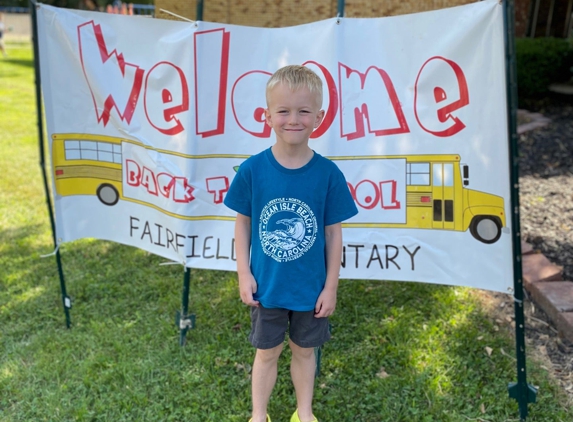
<point x="296" y="77"/>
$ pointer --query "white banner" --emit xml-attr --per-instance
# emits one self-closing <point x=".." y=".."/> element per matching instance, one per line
<point x="149" y="119"/>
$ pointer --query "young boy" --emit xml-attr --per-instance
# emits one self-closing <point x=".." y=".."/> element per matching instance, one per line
<point x="290" y="203"/>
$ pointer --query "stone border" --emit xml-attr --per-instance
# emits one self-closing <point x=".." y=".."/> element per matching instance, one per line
<point x="535" y="120"/>
<point x="543" y="280"/>
<point x="562" y="88"/>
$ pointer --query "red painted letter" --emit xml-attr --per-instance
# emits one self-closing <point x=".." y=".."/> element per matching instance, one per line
<point x="132" y="172"/>
<point x="439" y="80"/>
<point x="217" y="186"/>
<point x="327" y="88"/>
<point x="166" y="95"/>
<point x="360" y="94"/>
<point x="211" y="68"/>
<point x="105" y="71"/>
<point x="248" y="102"/>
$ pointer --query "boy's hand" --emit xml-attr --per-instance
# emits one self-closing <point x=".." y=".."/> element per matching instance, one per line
<point x="247" y="287"/>
<point x="325" y="304"/>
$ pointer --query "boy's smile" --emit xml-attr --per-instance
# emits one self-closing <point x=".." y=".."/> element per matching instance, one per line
<point x="293" y="115"/>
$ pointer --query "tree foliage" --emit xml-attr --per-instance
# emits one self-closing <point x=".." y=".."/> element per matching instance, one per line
<point x="540" y="62"/>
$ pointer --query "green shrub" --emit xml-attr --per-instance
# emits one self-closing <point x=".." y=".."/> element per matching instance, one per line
<point x="540" y="62"/>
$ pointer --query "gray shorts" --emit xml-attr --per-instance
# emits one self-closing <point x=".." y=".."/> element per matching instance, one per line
<point x="269" y="325"/>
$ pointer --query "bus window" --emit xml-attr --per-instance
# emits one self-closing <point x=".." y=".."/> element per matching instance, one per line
<point x="466" y="174"/>
<point x="437" y="175"/>
<point x="418" y="174"/>
<point x="88" y="150"/>
<point x="72" y="149"/>
<point x="93" y="150"/>
<point x="448" y="174"/>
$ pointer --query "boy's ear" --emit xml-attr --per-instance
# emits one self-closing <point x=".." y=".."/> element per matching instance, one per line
<point x="268" y="116"/>
<point x="319" y="117"/>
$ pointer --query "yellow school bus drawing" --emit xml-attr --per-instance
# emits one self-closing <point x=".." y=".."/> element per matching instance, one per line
<point x="86" y="164"/>
<point x="438" y="197"/>
<point x="437" y="193"/>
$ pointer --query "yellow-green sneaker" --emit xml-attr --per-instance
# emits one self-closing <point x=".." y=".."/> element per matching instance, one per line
<point x="268" y="419"/>
<point x="295" y="418"/>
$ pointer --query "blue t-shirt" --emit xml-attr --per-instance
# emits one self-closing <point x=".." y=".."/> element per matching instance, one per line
<point x="289" y="209"/>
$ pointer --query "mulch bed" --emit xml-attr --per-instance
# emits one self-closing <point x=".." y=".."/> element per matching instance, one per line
<point x="546" y="186"/>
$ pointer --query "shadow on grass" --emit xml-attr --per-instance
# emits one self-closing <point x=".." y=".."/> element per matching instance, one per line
<point x="20" y="62"/>
<point x="104" y="279"/>
<point x="98" y="275"/>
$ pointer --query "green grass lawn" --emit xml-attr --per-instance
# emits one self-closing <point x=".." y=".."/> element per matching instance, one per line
<point x="400" y="351"/>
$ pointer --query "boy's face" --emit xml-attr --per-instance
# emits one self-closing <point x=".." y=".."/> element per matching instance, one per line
<point x="293" y="115"/>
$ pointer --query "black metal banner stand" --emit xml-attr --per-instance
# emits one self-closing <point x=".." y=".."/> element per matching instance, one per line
<point x="183" y="320"/>
<point x="66" y="301"/>
<point x="521" y="391"/>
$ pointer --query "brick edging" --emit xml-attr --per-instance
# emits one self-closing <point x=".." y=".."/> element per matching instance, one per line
<point x="543" y="280"/>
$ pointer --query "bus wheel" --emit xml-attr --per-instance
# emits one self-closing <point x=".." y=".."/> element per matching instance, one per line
<point x="486" y="229"/>
<point x="107" y="194"/>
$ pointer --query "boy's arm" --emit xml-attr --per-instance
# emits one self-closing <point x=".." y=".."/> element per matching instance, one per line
<point x="247" y="283"/>
<point x="326" y="302"/>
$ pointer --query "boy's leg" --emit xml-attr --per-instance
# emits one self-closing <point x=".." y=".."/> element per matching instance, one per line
<point x="302" y="368"/>
<point x="264" y="376"/>
<point x="306" y="332"/>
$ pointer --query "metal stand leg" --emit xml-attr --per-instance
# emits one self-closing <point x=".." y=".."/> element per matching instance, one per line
<point x="520" y="391"/>
<point x="183" y="320"/>
<point x="66" y="301"/>
<point x="65" y="298"/>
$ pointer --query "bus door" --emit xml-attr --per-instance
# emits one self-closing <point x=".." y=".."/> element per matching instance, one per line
<point x="443" y="195"/>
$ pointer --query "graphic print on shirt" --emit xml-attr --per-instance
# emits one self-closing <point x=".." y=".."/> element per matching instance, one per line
<point x="287" y="229"/>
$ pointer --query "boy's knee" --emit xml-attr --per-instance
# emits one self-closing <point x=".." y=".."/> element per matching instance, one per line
<point x="269" y="355"/>
<point x="302" y="352"/>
